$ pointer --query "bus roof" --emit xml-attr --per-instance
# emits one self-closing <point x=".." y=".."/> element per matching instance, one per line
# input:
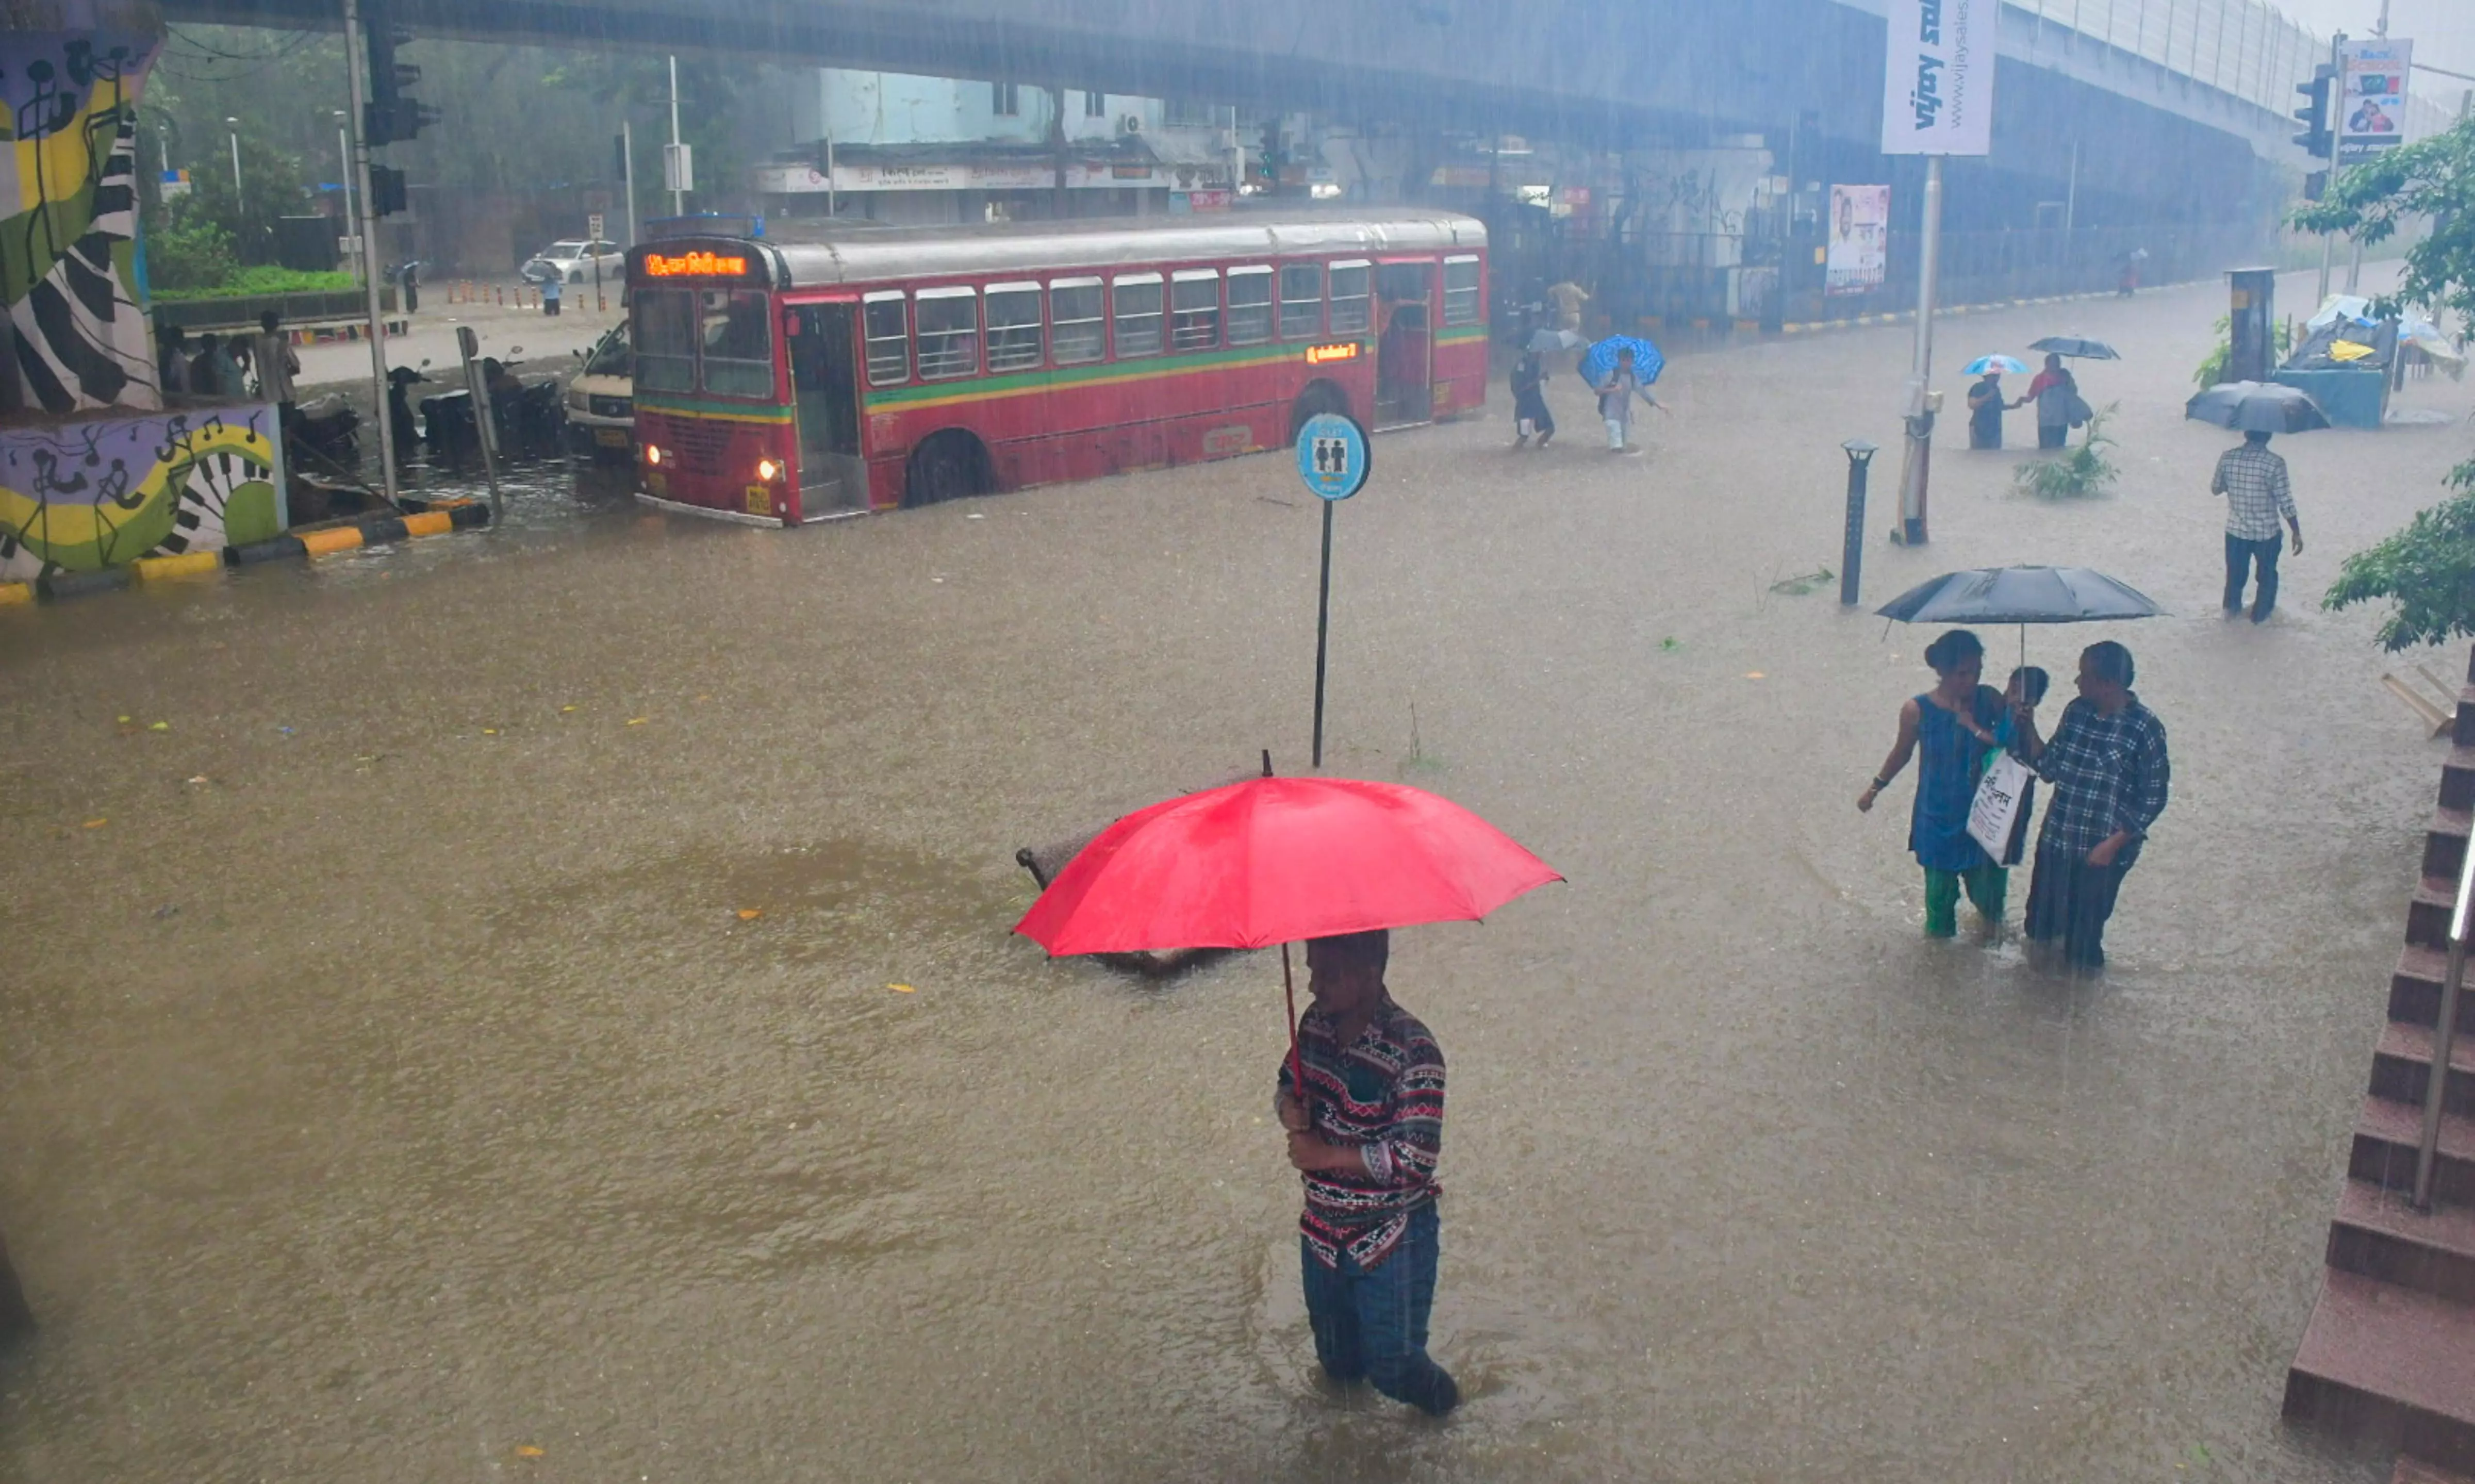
<point x="822" y="253"/>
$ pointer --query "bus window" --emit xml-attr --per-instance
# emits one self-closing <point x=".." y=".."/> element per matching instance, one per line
<point x="1250" y="305"/>
<point x="1013" y="327"/>
<point x="1194" y="305"/>
<point x="1460" y="290"/>
<point x="664" y="340"/>
<point x="889" y="340"/>
<point x="1136" y="300"/>
<point x="1301" y="301"/>
<point x="1076" y="335"/>
<point x="1349" y="284"/>
<point x="950" y="334"/>
<point x="738" y="341"/>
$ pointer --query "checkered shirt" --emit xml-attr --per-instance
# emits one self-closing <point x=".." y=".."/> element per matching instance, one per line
<point x="2253" y="481"/>
<point x="2109" y="774"/>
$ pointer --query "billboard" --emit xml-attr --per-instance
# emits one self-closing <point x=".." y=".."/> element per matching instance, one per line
<point x="2371" y="97"/>
<point x="1856" y="253"/>
<point x="1938" y="77"/>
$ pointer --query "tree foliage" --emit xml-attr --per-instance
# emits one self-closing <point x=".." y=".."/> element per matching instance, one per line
<point x="2428" y="568"/>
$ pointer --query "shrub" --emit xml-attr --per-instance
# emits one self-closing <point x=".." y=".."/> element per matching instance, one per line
<point x="188" y="254"/>
<point x="2082" y="471"/>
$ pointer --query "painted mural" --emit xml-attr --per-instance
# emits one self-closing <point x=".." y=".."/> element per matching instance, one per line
<point x="107" y="491"/>
<point x="68" y="209"/>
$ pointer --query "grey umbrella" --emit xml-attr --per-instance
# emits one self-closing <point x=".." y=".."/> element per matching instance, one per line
<point x="2022" y="595"/>
<point x="2075" y="346"/>
<point x="1555" y="340"/>
<point x="2257" y="407"/>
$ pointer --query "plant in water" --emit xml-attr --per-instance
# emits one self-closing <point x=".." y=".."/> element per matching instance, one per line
<point x="2079" y="470"/>
<point x="2213" y="371"/>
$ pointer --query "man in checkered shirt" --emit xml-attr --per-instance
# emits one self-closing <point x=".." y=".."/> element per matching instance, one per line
<point x="2107" y="762"/>
<point x="2253" y="481"/>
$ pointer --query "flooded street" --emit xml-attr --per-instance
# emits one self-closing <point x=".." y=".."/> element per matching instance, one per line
<point x="391" y="1082"/>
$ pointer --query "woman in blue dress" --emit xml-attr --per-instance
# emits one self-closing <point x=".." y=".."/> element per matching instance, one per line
<point x="1952" y="728"/>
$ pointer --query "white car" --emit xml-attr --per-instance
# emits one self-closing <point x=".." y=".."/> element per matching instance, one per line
<point x="572" y="263"/>
<point x="600" y="401"/>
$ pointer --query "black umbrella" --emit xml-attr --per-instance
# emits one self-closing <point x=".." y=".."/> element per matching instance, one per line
<point x="2073" y="345"/>
<point x="2022" y="595"/>
<point x="2257" y="407"/>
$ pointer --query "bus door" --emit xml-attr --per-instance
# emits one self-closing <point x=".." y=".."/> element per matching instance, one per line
<point x="824" y="393"/>
<point x="1404" y="352"/>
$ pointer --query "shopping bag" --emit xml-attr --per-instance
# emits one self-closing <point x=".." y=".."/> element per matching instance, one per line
<point x="1998" y="804"/>
<point x="2080" y="411"/>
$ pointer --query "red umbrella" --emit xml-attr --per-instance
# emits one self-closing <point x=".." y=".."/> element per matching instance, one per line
<point x="1278" y="860"/>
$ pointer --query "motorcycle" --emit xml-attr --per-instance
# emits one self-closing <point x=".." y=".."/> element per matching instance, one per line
<point x="327" y="428"/>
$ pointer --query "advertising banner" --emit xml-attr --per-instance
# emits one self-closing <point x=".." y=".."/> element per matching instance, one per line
<point x="2371" y="97"/>
<point x="1938" y="77"/>
<point x="1857" y="253"/>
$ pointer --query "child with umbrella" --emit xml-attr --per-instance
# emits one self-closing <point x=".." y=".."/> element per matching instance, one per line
<point x="1615" y="401"/>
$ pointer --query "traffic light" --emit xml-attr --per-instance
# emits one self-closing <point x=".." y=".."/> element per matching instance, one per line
<point x="387" y="191"/>
<point x="392" y="115"/>
<point x="2317" y="138"/>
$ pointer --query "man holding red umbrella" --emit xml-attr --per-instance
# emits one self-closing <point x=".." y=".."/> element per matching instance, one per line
<point x="1365" y="1141"/>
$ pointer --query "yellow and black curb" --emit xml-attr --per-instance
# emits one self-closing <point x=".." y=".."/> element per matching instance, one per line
<point x="438" y="518"/>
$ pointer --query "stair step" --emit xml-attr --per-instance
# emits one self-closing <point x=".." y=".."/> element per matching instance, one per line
<point x="2444" y="843"/>
<point x="2380" y="1234"/>
<point x="2414" y="990"/>
<point x="2402" y="1068"/>
<point x="2427" y="911"/>
<point x="2457" y="778"/>
<point x="2389" y="1362"/>
<point x="2385" y="1136"/>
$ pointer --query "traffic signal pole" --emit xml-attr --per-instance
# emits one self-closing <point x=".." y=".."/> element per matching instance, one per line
<point x="356" y="68"/>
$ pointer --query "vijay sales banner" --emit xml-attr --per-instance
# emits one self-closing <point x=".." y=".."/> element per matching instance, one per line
<point x="1938" y="81"/>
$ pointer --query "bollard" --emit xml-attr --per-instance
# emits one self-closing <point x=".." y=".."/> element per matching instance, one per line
<point x="1851" y="553"/>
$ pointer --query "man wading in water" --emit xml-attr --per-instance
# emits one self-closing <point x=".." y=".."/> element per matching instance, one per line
<point x="1368" y="1237"/>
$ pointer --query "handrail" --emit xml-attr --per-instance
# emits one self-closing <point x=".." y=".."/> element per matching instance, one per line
<point x="2444" y="1031"/>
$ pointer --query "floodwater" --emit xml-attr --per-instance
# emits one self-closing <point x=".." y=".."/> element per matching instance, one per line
<point x="395" y="1086"/>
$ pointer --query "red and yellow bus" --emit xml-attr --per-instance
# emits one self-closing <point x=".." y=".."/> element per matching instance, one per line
<point x="790" y="378"/>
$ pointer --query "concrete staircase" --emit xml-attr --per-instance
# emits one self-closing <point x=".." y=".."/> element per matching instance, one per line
<point x="2390" y="1352"/>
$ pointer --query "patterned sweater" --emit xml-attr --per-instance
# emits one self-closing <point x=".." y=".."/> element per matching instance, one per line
<point x="1382" y="1095"/>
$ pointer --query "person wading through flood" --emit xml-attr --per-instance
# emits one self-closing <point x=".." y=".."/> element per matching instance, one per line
<point x="2055" y="390"/>
<point x="1616" y="402"/>
<point x="1530" y="413"/>
<point x="2108" y="765"/>
<point x="1366" y="1149"/>
<point x="1954" y="726"/>
<point x="1985" y="412"/>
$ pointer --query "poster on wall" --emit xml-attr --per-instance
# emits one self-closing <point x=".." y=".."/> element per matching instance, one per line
<point x="84" y="496"/>
<point x="1938" y="77"/>
<point x="1856" y="256"/>
<point x="2371" y="98"/>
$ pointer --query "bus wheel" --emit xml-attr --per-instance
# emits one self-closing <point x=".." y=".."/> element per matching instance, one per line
<point x="1317" y="399"/>
<point x="946" y="467"/>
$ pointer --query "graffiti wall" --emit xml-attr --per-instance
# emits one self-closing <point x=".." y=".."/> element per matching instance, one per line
<point x="68" y="205"/>
<point x="104" y="492"/>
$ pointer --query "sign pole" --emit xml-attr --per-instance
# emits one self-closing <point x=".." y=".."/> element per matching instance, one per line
<point x="356" y="136"/>
<point x="1323" y="630"/>
<point x="1333" y="460"/>
<point x="1922" y="402"/>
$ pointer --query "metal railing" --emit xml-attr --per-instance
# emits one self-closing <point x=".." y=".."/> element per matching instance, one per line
<point x="2444" y="1031"/>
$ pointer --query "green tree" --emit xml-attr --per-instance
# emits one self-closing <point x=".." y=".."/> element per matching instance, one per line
<point x="2427" y="570"/>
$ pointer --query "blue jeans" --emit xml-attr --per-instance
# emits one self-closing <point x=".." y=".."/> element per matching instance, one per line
<point x="1371" y="1323"/>
<point x="2243" y="558"/>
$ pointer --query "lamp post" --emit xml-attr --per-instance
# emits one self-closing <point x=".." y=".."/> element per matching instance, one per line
<point x="233" y="127"/>
<point x="344" y="153"/>
<point x="1851" y="552"/>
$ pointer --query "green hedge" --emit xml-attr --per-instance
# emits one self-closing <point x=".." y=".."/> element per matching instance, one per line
<point x="263" y="282"/>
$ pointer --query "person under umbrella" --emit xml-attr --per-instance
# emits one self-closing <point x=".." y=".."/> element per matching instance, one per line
<point x="1951" y="729"/>
<point x="2256" y="491"/>
<point x="1615" y="401"/>
<point x="2109" y="768"/>
<point x="1530" y="412"/>
<point x="1985" y="406"/>
<point x="2053" y="391"/>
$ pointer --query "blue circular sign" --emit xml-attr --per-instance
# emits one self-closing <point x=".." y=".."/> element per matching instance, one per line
<point x="1333" y="456"/>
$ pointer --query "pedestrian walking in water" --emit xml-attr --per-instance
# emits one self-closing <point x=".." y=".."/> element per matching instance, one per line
<point x="1985" y="412"/>
<point x="409" y="281"/>
<point x="1616" y="402"/>
<point x="1952" y="729"/>
<point x="2108" y="765"/>
<point x="1530" y="413"/>
<point x="1365" y="1138"/>
<point x="2054" y="391"/>
<point x="552" y="287"/>
<point x="2253" y="481"/>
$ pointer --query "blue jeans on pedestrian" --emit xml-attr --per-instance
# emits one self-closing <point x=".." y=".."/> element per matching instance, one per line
<point x="2241" y="557"/>
<point x="1371" y="1323"/>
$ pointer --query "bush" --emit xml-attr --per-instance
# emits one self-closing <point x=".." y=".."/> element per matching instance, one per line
<point x="189" y="255"/>
<point x="2428" y="568"/>
<point x="252" y="282"/>
<point x="2082" y="470"/>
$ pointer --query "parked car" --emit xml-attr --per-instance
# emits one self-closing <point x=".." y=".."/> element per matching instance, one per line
<point x="601" y="401"/>
<point x="572" y="263"/>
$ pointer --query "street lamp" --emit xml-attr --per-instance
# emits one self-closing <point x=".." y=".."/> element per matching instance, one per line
<point x="1851" y="553"/>
<point x="234" y="125"/>
<point x="344" y="153"/>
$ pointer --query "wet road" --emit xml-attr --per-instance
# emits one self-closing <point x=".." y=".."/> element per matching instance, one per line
<point x="391" y="1084"/>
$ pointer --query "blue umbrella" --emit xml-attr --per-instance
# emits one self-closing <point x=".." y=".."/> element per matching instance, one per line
<point x="1599" y="363"/>
<point x="2002" y="363"/>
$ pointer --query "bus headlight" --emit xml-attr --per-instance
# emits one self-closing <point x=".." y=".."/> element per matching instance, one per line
<point x="653" y="454"/>
<point x="768" y="470"/>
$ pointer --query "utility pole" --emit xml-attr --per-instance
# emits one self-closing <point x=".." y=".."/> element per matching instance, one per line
<point x="344" y="153"/>
<point x="233" y="127"/>
<point x="2336" y="95"/>
<point x="357" y="70"/>
<point x="1914" y="475"/>
<point x="628" y="171"/>
<point x="1057" y="151"/>
<point x="679" y="197"/>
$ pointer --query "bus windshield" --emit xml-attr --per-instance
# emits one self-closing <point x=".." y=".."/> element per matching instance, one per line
<point x="665" y="340"/>
<point x="738" y="325"/>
